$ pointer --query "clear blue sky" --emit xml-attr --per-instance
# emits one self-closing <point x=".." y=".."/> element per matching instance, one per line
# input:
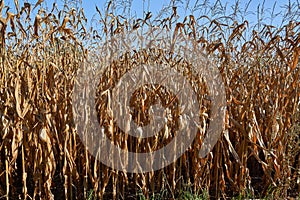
<point x="139" y="7"/>
<point x="155" y="6"/>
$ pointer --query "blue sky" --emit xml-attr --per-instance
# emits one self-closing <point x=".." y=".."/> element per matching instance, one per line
<point x="140" y="7"/>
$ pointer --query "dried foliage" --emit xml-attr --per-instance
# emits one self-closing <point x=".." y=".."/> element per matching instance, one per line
<point x="43" y="157"/>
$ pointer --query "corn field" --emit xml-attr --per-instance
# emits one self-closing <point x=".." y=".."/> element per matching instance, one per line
<point x="42" y="156"/>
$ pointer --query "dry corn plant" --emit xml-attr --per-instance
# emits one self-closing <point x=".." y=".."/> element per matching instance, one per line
<point x="42" y="156"/>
